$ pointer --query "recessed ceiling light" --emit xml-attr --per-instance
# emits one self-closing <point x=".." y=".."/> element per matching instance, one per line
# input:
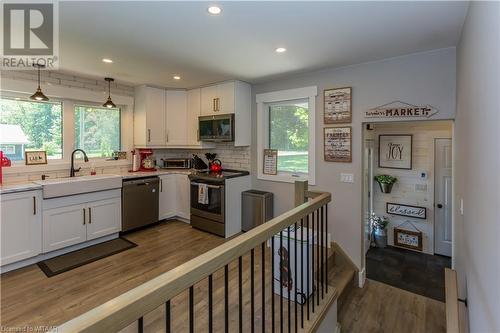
<point x="280" y="50"/>
<point x="214" y="10"/>
<point x="177" y="77"/>
<point x="106" y="60"/>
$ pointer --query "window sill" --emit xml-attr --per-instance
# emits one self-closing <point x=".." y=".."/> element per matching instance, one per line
<point x="285" y="178"/>
<point x="61" y="164"/>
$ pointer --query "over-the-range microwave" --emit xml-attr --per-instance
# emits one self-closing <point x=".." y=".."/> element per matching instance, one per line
<point x="217" y="128"/>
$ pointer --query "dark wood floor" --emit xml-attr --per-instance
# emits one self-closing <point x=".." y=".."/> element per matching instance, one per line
<point x="416" y="272"/>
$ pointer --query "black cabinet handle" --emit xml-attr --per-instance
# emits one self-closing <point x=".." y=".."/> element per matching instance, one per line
<point x="84" y="216"/>
<point x="90" y="215"/>
<point x="34" y="205"/>
<point x="439" y="206"/>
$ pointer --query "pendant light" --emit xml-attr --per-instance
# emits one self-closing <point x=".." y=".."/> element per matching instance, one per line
<point x="39" y="95"/>
<point x="109" y="103"/>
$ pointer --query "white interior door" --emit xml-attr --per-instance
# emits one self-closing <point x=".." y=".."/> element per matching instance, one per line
<point x="442" y="197"/>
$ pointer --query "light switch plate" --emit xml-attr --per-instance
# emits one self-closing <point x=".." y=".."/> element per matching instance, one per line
<point x="347" y="178"/>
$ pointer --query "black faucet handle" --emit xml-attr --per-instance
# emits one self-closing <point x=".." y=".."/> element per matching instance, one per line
<point x="80" y="168"/>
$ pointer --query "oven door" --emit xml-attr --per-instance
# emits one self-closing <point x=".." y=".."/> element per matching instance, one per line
<point x="214" y="210"/>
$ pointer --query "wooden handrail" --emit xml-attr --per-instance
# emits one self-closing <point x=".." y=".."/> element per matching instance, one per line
<point x="132" y="305"/>
<point x="451" y="293"/>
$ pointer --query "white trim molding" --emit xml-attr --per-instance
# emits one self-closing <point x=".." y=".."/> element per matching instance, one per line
<point x="309" y="93"/>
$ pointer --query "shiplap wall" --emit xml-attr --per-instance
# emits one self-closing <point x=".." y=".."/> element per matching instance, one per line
<point x="410" y="188"/>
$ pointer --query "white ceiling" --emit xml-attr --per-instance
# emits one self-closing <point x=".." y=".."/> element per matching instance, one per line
<point x="149" y="42"/>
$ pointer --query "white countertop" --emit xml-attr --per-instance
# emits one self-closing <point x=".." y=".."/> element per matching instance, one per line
<point x="37" y="185"/>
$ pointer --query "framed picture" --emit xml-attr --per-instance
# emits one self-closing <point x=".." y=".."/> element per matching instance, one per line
<point x="337" y="105"/>
<point x="408" y="239"/>
<point x="406" y="210"/>
<point x="337" y="144"/>
<point x="270" y="162"/>
<point x="35" y="157"/>
<point x="395" y="151"/>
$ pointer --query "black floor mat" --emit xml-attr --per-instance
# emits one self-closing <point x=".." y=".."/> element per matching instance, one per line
<point x="419" y="273"/>
<point x="71" y="260"/>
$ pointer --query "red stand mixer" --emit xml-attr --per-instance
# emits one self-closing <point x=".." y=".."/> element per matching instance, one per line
<point x="146" y="160"/>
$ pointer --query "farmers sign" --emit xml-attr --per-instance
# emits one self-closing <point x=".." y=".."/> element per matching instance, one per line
<point x="402" y="110"/>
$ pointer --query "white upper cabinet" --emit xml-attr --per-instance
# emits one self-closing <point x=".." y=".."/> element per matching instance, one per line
<point x="149" y="117"/>
<point x="194" y="111"/>
<point x="21" y="226"/>
<point x="209" y="100"/>
<point x="176" y="118"/>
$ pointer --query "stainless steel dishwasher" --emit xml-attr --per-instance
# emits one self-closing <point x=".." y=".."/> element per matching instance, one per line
<point x="139" y="202"/>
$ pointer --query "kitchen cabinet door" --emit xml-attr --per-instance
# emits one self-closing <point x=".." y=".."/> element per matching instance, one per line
<point x="183" y="196"/>
<point x="176" y="118"/>
<point x="21" y="226"/>
<point x="168" y="197"/>
<point x="103" y="218"/>
<point x="155" y="116"/>
<point x="193" y="112"/>
<point x="208" y="100"/>
<point x="64" y="226"/>
<point x="225" y="95"/>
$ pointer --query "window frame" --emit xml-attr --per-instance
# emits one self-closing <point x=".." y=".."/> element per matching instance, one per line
<point x="263" y="100"/>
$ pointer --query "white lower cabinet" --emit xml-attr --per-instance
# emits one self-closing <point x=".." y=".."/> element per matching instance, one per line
<point x="168" y="197"/>
<point x="104" y="218"/>
<point x="21" y="226"/>
<point x="64" y="226"/>
<point x="75" y="219"/>
<point x="174" y="199"/>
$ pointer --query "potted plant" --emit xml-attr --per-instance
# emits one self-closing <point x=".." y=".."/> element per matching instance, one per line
<point x="385" y="182"/>
<point x="379" y="225"/>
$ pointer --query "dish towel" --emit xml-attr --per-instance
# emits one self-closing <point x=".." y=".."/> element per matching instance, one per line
<point x="203" y="194"/>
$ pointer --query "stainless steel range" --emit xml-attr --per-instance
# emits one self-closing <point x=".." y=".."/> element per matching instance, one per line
<point x="209" y="200"/>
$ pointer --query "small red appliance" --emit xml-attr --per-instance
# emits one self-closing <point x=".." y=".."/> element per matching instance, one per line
<point x="4" y="162"/>
<point x="147" y="162"/>
<point x="216" y="166"/>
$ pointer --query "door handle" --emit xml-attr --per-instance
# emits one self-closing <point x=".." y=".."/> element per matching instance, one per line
<point x="149" y="135"/>
<point x="218" y="104"/>
<point x="439" y="206"/>
<point x="34" y="205"/>
<point x="90" y="215"/>
<point x="213" y="105"/>
<point x="167" y="136"/>
<point x="84" y="216"/>
<point x="161" y="185"/>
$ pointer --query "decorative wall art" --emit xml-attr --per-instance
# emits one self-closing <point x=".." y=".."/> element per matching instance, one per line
<point x="408" y="239"/>
<point x="395" y="151"/>
<point x="270" y="162"/>
<point x="406" y="210"/>
<point x="337" y="105"/>
<point x="401" y="110"/>
<point x="35" y="157"/>
<point x="338" y="144"/>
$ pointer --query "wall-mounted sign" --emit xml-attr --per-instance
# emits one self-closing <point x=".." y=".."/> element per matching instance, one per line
<point x="408" y="239"/>
<point x="35" y="157"/>
<point x="401" y="110"/>
<point x="270" y="162"/>
<point x="395" y="151"/>
<point x="406" y="210"/>
<point x="337" y="105"/>
<point x="337" y="144"/>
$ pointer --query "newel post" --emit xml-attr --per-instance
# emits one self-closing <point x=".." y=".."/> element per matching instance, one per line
<point x="301" y="188"/>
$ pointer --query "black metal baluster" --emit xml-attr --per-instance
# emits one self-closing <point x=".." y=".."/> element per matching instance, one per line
<point x="295" y="268"/>
<point x="302" y="272"/>
<point x="327" y="244"/>
<point x="191" y="309"/>
<point x="313" y="275"/>
<point x="263" y="266"/>
<point x="140" y="325"/>
<point x="210" y="304"/>
<point x="167" y="317"/>
<point x="280" y="252"/>
<point x="272" y="285"/>
<point x="318" y="268"/>
<point x="252" y="290"/>
<point x="289" y="279"/>
<point x="240" y="293"/>
<point x="307" y="267"/>
<point x="226" y="298"/>
<point x="322" y="256"/>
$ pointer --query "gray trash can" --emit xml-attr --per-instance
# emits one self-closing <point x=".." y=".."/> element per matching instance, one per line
<point x="256" y="208"/>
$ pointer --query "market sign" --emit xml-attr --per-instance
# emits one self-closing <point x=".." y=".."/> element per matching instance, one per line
<point x="400" y="109"/>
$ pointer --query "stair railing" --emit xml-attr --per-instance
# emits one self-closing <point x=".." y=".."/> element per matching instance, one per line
<point x="264" y="263"/>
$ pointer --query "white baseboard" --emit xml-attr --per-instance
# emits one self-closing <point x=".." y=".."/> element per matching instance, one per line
<point x="362" y="277"/>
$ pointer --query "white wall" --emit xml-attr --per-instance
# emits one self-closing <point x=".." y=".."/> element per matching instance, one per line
<point x="424" y="78"/>
<point x="477" y="166"/>
<point x="405" y="190"/>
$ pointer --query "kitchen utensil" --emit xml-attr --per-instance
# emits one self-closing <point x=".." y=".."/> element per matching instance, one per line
<point x="216" y="166"/>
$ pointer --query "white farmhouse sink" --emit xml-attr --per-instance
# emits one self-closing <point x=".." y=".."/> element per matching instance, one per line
<point x="60" y="187"/>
